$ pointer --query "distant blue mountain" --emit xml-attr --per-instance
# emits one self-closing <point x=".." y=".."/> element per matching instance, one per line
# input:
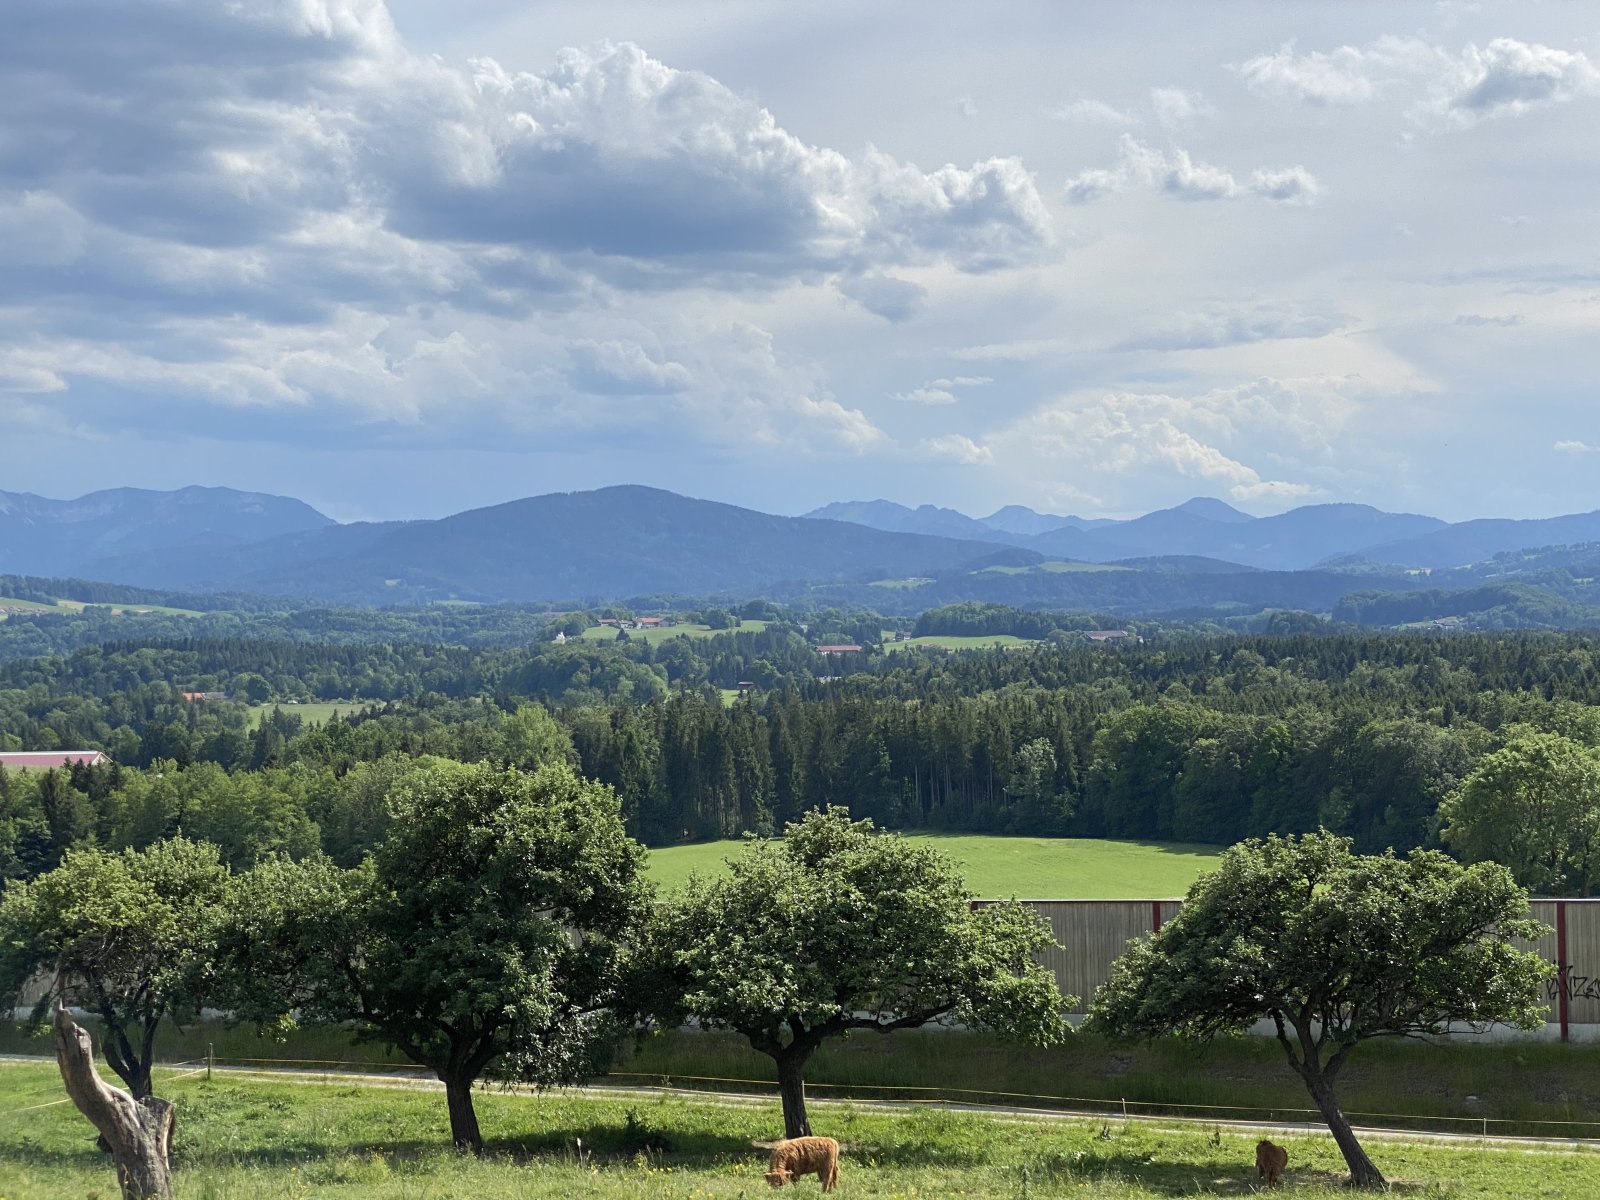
<point x="39" y="536"/>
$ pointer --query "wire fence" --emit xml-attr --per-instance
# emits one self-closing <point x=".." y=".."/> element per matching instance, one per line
<point x="903" y="1095"/>
<point x="1485" y="1128"/>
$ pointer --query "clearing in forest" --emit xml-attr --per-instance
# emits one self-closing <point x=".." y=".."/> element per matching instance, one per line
<point x="1028" y="868"/>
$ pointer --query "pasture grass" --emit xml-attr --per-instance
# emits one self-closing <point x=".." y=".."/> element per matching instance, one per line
<point x="241" y="1138"/>
<point x="312" y="712"/>
<point x="998" y="867"/>
<point x="605" y="633"/>
<point x="956" y="642"/>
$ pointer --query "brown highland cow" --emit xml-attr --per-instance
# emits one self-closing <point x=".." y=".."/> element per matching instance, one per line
<point x="1270" y="1161"/>
<point x="817" y="1156"/>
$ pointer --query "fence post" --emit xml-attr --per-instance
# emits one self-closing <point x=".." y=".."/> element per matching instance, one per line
<point x="210" y="1059"/>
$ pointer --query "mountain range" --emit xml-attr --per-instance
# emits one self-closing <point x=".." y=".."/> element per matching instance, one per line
<point x="1293" y="541"/>
<point x="634" y="541"/>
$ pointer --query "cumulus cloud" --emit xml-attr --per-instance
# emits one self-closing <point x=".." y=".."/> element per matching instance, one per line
<point x="1092" y="112"/>
<point x="1268" y="439"/>
<point x="1174" y="173"/>
<point x="1506" y="77"/>
<point x="623" y="368"/>
<point x="1176" y="108"/>
<point x="1346" y="75"/>
<point x="1121" y="433"/>
<point x="955" y="447"/>
<point x="281" y="205"/>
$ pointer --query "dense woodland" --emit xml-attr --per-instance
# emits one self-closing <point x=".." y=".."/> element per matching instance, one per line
<point x="1185" y="735"/>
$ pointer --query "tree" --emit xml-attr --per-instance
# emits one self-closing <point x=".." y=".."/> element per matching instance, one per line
<point x="1533" y="805"/>
<point x="489" y="927"/>
<point x="125" y="935"/>
<point x="1335" y="949"/>
<point x="841" y="927"/>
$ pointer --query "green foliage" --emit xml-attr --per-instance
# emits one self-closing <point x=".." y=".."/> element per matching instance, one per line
<point x="271" y="1139"/>
<point x="1533" y="805"/>
<point x="488" y="928"/>
<point x="125" y="936"/>
<point x="840" y="928"/>
<point x="1335" y="949"/>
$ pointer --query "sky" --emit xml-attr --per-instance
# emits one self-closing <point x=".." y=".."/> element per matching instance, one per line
<point x="402" y="260"/>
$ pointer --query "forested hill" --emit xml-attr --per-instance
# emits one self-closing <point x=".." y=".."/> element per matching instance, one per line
<point x="1189" y="738"/>
<point x="39" y="536"/>
<point x="609" y="543"/>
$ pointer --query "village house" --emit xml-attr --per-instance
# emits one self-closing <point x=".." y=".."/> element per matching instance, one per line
<point x="49" y="760"/>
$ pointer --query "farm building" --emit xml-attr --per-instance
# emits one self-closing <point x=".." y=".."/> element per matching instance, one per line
<point x="49" y="760"/>
<point x="838" y="649"/>
<point x="1091" y="934"/>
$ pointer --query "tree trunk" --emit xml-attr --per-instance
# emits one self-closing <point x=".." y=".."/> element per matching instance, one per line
<point x="792" y="1089"/>
<point x="464" y="1130"/>
<point x="139" y="1132"/>
<point x="1363" y="1173"/>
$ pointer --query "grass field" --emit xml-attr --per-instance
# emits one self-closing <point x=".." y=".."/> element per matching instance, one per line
<point x="77" y="606"/>
<point x="313" y="712"/>
<point x="242" y="1137"/>
<point x="987" y="642"/>
<point x="605" y="633"/>
<point x="1035" y="868"/>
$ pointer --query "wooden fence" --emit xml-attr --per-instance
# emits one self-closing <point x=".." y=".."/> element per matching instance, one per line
<point x="1090" y="934"/>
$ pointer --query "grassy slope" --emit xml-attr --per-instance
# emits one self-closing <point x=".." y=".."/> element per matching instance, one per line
<point x="241" y="1138"/>
<point x="955" y="642"/>
<point x="315" y="712"/>
<point x="605" y="633"/>
<point x="1036" y="868"/>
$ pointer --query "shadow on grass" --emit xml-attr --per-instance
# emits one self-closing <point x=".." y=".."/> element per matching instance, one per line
<point x="1221" y="1176"/>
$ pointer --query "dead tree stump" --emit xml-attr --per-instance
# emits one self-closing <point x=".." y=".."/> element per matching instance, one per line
<point x="139" y="1132"/>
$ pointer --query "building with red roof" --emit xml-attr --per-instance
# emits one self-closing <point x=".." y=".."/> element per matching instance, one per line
<point x="49" y="760"/>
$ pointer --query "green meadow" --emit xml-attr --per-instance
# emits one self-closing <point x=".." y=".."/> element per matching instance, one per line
<point x="251" y="1138"/>
<point x="1031" y="868"/>
<point x="312" y="712"/>
<point x="956" y="642"/>
<point x="605" y="633"/>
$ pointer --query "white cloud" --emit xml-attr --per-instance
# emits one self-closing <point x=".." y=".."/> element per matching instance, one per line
<point x="1267" y="440"/>
<point x="1288" y="185"/>
<point x="1233" y="325"/>
<point x="1506" y="77"/>
<point x="1175" y="173"/>
<point x="926" y="395"/>
<point x="1572" y="446"/>
<point x="279" y="208"/>
<point x="623" y="368"/>
<point x="957" y="448"/>
<point x="939" y="392"/>
<point x="1176" y="108"/>
<point x="1092" y="112"/>
<point x="1346" y="75"/>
